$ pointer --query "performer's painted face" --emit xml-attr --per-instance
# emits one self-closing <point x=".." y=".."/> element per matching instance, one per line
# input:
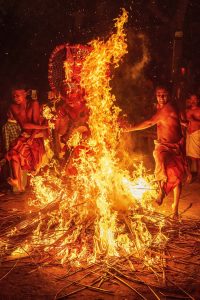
<point x="162" y="96"/>
<point x="19" y="96"/>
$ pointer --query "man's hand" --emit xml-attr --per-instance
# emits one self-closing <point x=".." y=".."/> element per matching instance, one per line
<point x="129" y="128"/>
<point x="124" y="125"/>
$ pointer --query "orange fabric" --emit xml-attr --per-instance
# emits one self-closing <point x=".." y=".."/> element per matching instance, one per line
<point x="28" y="151"/>
<point x="170" y="164"/>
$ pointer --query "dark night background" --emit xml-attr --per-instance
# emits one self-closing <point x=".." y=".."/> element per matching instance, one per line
<point x="30" y="30"/>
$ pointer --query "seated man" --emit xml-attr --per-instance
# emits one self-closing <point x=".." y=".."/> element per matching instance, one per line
<point x="170" y="163"/>
<point x="28" y="149"/>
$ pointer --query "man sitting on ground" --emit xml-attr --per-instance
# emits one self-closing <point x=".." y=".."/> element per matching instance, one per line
<point x="28" y="149"/>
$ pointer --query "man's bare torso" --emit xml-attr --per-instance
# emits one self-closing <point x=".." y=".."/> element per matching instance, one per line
<point x="193" y="117"/>
<point x="168" y="125"/>
<point x="22" y="113"/>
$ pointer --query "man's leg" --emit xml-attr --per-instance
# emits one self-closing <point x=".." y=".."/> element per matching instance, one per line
<point x="160" y="154"/>
<point x="16" y="180"/>
<point x="188" y="170"/>
<point x="161" y="194"/>
<point x="177" y="194"/>
<point x="160" y="157"/>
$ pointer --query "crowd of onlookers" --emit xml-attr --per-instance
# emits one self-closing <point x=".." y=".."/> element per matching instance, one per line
<point x="29" y="123"/>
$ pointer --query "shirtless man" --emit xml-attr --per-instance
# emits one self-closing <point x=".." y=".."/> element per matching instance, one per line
<point x="193" y="132"/>
<point x="168" y="148"/>
<point x="28" y="149"/>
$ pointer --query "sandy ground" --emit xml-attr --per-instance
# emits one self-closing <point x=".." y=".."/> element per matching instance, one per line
<point x="29" y="281"/>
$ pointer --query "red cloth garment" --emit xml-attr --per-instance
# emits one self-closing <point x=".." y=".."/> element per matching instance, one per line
<point x="170" y="164"/>
<point x="28" y="151"/>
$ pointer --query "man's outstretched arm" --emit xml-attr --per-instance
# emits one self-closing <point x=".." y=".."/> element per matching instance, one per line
<point x="145" y="124"/>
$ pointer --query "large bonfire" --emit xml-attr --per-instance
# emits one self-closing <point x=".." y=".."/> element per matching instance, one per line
<point x="103" y="213"/>
<point x="99" y="210"/>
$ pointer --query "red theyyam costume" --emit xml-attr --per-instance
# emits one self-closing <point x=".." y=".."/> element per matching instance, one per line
<point x="28" y="150"/>
<point x="170" y="164"/>
<point x="65" y="67"/>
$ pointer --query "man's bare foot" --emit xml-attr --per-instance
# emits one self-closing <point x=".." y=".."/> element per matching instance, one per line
<point x="175" y="212"/>
<point x="13" y="182"/>
<point x="175" y="216"/>
<point x="161" y="196"/>
<point x="19" y="192"/>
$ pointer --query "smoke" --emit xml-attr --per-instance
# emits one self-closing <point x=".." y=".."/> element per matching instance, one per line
<point x="137" y="69"/>
<point x="134" y="92"/>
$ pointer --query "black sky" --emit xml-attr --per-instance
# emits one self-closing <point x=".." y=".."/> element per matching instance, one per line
<point x="30" y="30"/>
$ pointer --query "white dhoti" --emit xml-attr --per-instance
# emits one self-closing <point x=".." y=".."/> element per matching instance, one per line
<point x="193" y="144"/>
